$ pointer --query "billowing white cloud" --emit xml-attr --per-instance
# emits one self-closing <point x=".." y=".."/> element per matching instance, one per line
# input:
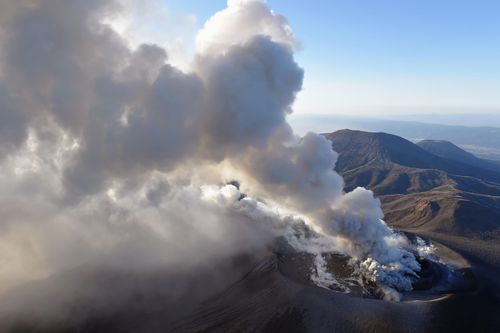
<point x="111" y="146"/>
<point x="240" y="21"/>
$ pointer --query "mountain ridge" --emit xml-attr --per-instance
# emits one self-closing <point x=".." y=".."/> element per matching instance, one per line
<point x="419" y="191"/>
<point x="448" y="150"/>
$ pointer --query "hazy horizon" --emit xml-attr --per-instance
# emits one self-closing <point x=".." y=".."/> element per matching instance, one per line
<point x="459" y="119"/>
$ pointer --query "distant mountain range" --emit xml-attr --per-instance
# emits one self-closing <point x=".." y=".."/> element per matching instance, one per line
<point x="426" y="187"/>
<point x="484" y="142"/>
<point x="450" y="151"/>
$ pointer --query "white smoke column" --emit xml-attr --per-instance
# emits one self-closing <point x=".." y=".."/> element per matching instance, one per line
<point x="86" y="122"/>
<point x="298" y="172"/>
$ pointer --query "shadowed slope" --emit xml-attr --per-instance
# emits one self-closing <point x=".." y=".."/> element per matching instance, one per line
<point x="448" y="150"/>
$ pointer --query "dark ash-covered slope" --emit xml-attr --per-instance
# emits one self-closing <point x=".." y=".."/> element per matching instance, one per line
<point x="265" y="293"/>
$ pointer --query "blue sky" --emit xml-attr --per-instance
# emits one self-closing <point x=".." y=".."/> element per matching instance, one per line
<point x="390" y="56"/>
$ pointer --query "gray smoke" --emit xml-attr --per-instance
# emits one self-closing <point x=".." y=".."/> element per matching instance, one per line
<point x="108" y="152"/>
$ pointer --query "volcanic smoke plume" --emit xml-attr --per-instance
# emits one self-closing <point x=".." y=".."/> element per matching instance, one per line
<point x="110" y="155"/>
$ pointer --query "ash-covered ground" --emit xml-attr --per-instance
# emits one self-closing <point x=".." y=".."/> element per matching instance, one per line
<point x="279" y="290"/>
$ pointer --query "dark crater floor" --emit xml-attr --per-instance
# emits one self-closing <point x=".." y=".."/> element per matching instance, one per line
<point x="270" y="292"/>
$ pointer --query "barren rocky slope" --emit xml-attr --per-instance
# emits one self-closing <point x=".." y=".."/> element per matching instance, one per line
<point x="420" y="191"/>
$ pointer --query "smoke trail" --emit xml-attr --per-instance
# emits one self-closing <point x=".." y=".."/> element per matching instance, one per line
<point x="113" y="147"/>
